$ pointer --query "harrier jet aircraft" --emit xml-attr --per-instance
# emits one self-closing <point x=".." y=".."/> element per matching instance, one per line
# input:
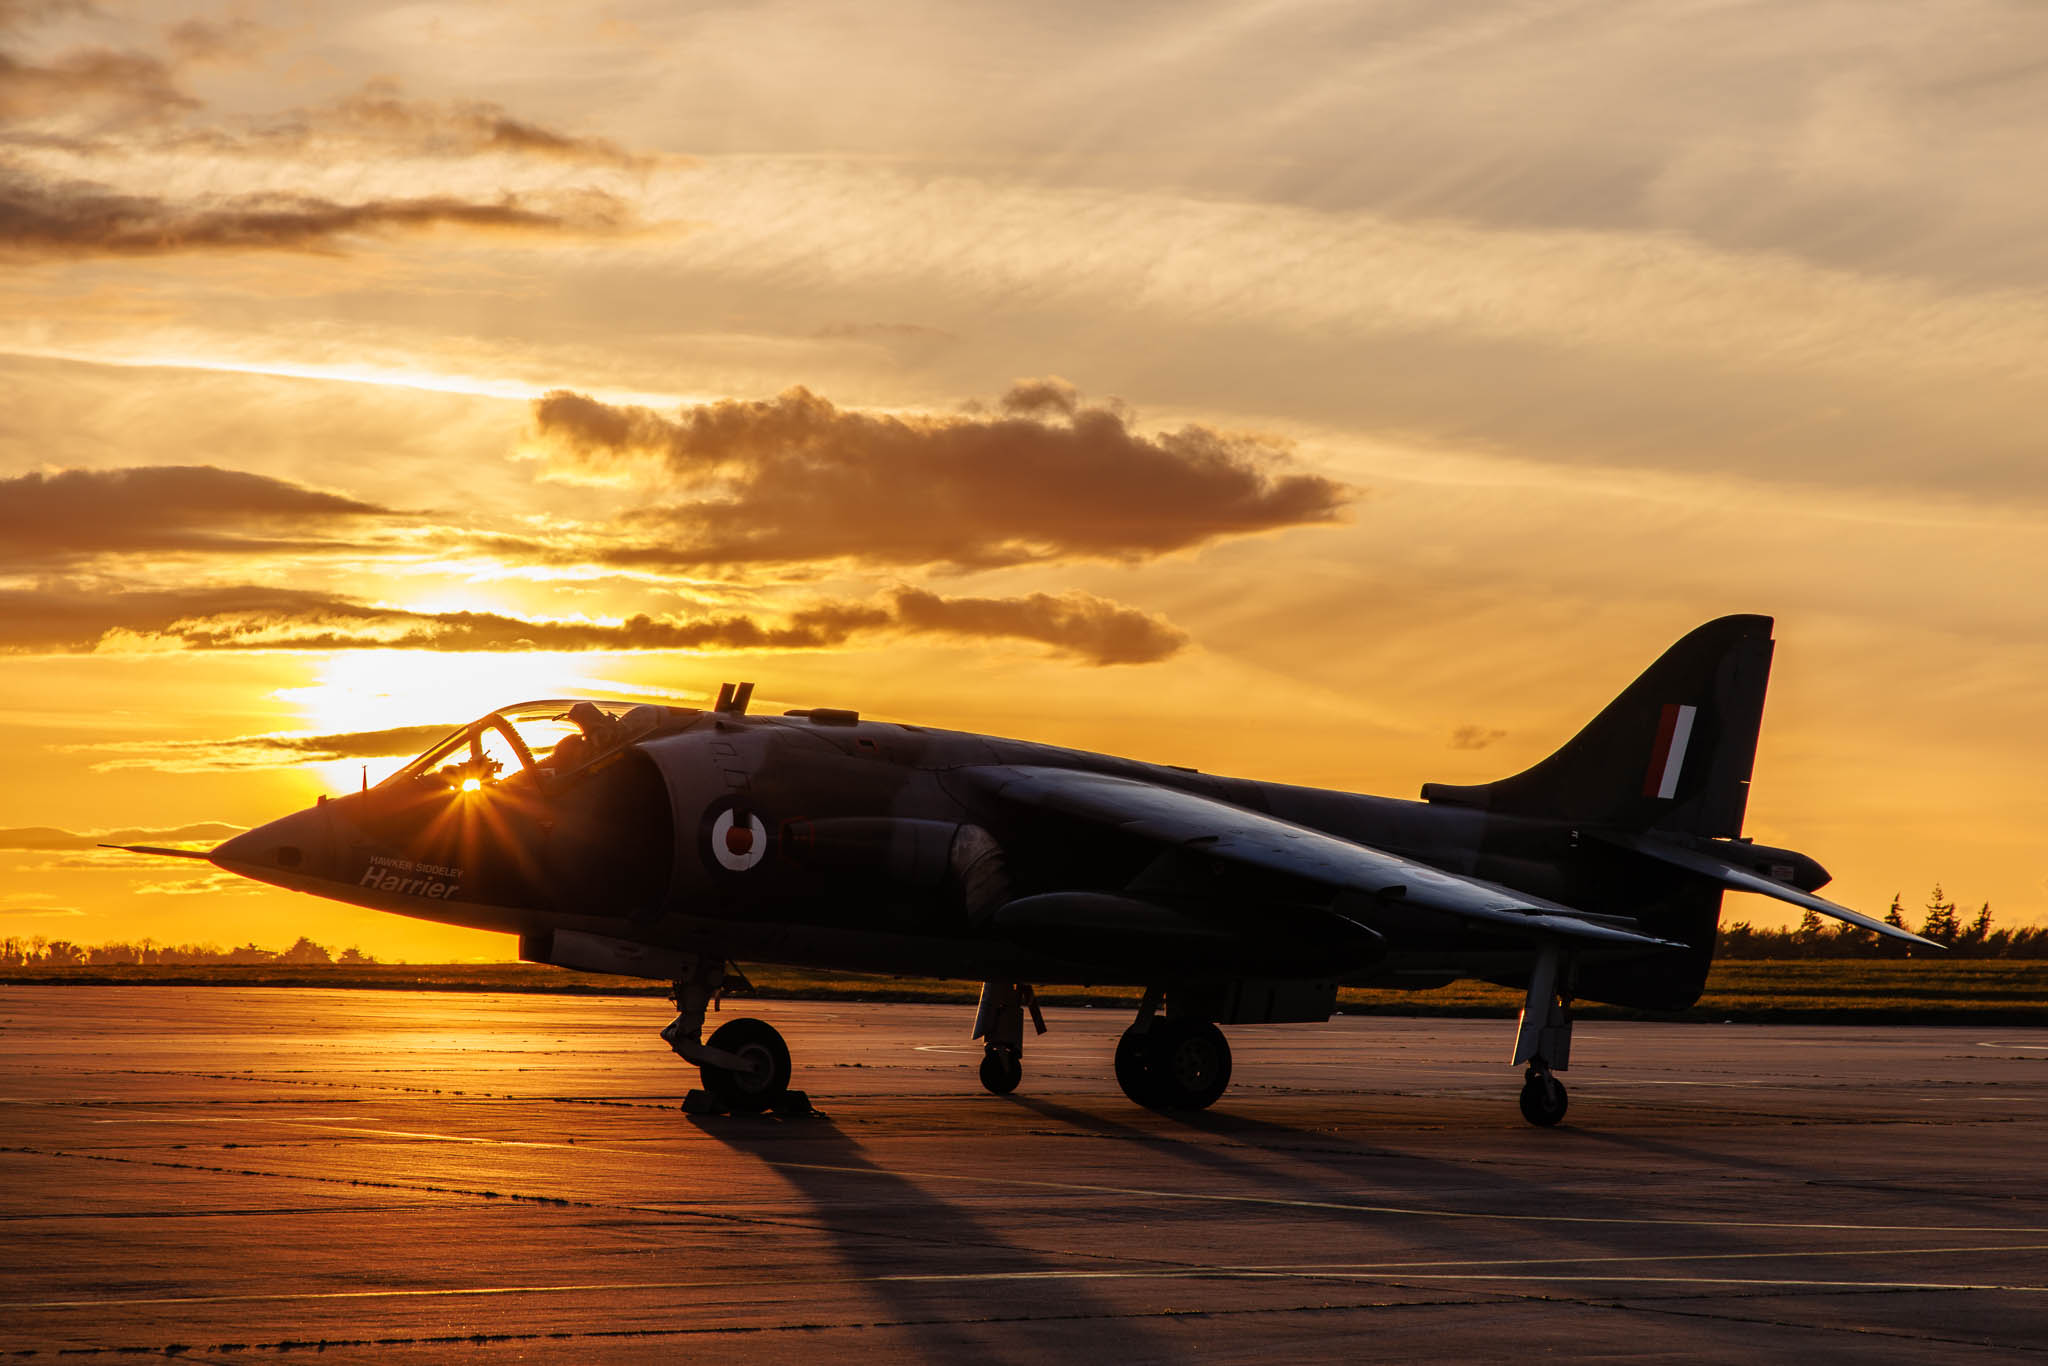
<point x="669" y="842"/>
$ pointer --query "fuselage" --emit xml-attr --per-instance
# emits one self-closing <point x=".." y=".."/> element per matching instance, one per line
<point x="821" y="839"/>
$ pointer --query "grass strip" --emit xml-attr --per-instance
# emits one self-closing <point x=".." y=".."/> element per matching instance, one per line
<point x="1803" y="991"/>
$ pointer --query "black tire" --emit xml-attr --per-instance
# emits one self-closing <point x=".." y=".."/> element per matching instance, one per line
<point x="765" y="1081"/>
<point x="1190" y="1065"/>
<point x="1134" y="1066"/>
<point x="1175" y="1065"/>
<point x="1543" y="1100"/>
<point x="1001" y="1070"/>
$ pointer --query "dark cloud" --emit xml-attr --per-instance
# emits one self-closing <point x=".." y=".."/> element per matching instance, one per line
<point x="796" y="479"/>
<point x="65" y="617"/>
<point x="78" y="218"/>
<point x="1049" y="395"/>
<point x="1475" y="737"/>
<point x="51" y="519"/>
<point x="1102" y="631"/>
<point x="49" y="837"/>
<point x="68" y="619"/>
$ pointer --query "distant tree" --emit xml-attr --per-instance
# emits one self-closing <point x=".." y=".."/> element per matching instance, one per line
<point x="62" y="953"/>
<point x="305" y="952"/>
<point x="1810" y="935"/>
<point x="354" y="957"/>
<point x="1896" y="916"/>
<point x="249" y="953"/>
<point x="1979" y="932"/>
<point x="1940" y="924"/>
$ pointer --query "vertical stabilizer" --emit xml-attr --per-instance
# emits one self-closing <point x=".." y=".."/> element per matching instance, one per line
<point x="1673" y="752"/>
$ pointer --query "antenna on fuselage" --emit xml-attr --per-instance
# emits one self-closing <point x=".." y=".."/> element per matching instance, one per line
<point x="733" y="698"/>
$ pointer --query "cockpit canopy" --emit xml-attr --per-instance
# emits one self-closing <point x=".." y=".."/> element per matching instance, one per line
<point x="537" y="741"/>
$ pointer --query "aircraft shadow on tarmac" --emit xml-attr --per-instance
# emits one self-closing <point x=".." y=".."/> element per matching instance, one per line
<point x="1544" y="1208"/>
<point x="873" y="1215"/>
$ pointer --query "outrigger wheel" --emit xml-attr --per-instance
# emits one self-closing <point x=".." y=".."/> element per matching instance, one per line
<point x="764" y="1081"/>
<point x="1543" y="1097"/>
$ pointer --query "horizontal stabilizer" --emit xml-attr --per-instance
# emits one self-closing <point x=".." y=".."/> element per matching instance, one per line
<point x="1743" y="880"/>
<point x="158" y="850"/>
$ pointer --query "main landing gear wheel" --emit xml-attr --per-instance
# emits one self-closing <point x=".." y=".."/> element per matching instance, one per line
<point x="763" y="1082"/>
<point x="1543" y="1098"/>
<point x="1001" y="1070"/>
<point x="1134" y="1066"/>
<point x="1175" y="1065"/>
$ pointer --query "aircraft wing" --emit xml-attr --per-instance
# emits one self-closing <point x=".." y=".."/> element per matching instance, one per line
<point x="1235" y="834"/>
<point x="1745" y="880"/>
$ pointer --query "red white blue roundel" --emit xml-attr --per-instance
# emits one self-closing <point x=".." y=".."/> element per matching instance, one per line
<point x="739" y="840"/>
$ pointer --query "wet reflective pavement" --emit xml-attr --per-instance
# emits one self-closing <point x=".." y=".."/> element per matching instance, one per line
<point x="216" y="1174"/>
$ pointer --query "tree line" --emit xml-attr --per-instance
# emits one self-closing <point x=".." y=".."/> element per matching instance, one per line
<point x="1813" y="937"/>
<point x="17" y="952"/>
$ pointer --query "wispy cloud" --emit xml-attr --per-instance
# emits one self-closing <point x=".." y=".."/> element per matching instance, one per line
<point x="71" y="218"/>
<point x="77" y="619"/>
<point x="260" y="751"/>
<point x="82" y="120"/>
<point x="44" y="837"/>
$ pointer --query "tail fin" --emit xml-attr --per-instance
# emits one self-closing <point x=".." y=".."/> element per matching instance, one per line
<point x="1672" y="753"/>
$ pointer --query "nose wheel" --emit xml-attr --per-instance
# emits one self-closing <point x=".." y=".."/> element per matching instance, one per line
<point x="1543" y="1097"/>
<point x="1001" y="1071"/>
<point x="762" y="1080"/>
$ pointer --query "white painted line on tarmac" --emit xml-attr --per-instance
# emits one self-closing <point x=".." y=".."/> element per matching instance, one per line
<point x="1394" y="1271"/>
<point x="326" y="1125"/>
<point x="1403" y="1268"/>
<point x="1347" y="1207"/>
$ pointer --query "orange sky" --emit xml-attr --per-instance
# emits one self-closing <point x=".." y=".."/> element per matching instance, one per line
<point x="1354" y="394"/>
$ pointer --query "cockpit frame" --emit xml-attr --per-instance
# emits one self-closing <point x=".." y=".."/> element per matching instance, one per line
<point x="603" y="724"/>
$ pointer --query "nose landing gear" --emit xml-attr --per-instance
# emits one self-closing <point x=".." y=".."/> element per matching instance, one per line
<point x="744" y="1066"/>
<point x="763" y="1082"/>
<point x="1000" y="1022"/>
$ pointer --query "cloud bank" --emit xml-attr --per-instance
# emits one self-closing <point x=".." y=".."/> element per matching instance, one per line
<point x="796" y="478"/>
<point x="56" y="518"/>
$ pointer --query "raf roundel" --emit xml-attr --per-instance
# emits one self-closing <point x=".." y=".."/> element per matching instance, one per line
<point x="738" y="840"/>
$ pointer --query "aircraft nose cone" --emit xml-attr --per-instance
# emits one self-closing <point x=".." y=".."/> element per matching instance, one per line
<point x="296" y="846"/>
